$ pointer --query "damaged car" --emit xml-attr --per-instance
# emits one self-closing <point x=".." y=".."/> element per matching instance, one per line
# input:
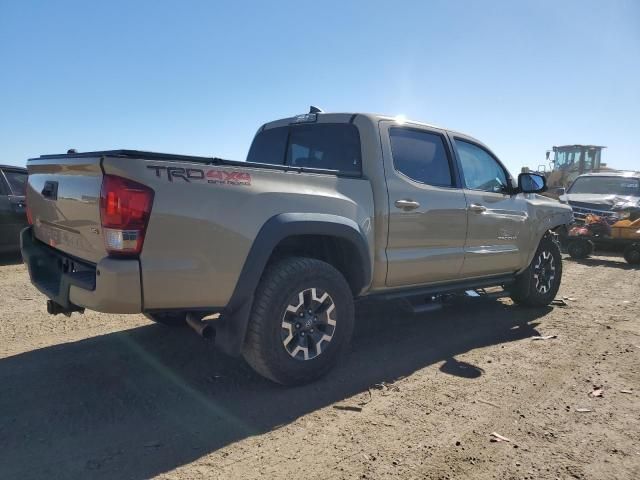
<point x="602" y="194"/>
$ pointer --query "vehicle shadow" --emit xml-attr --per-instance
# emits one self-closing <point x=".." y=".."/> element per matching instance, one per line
<point x="602" y="262"/>
<point x="144" y="401"/>
<point x="10" y="259"/>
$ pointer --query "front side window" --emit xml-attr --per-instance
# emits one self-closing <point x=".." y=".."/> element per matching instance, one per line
<point x="421" y="156"/>
<point x="480" y="170"/>
<point x="17" y="182"/>
<point x="328" y="146"/>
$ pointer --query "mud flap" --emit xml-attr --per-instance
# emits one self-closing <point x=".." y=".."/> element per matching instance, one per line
<point x="231" y="329"/>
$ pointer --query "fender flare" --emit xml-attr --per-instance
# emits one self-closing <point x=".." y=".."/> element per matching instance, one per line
<point x="232" y="326"/>
<point x="549" y="225"/>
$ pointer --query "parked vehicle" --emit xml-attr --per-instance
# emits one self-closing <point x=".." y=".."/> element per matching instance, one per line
<point x="327" y="208"/>
<point x="13" y="217"/>
<point x="621" y="230"/>
<point x="604" y="194"/>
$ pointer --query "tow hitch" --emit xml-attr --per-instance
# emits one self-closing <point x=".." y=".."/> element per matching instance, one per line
<point x="54" y="308"/>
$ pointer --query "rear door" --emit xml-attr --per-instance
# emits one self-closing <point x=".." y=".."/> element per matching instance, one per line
<point x="497" y="232"/>
<point x="13" y="216"/>
<point x="64" y="199"/>
<point x="427" y="207"/>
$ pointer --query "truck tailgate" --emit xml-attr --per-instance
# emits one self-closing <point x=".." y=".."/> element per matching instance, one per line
<point x="63" y="195"/>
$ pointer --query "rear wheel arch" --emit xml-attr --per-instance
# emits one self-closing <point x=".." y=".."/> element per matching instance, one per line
<point x="337" y="251"/>
<point x="331" y="238"/>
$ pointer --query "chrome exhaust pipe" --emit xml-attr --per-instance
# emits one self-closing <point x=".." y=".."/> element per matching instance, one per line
<point x="203" y="328"/>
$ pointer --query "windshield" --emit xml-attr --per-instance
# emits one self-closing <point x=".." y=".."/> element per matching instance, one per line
<point x="17" y="182"/>
<point x="606" y="186"/>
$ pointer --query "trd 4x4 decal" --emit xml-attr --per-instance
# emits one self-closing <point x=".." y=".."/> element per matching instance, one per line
<point x="228" y="177"/>
<point x="220" y="177"/>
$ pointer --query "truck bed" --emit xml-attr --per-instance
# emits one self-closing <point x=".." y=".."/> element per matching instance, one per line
<point x="172" y="157"/>
<point x="205" y="216"/>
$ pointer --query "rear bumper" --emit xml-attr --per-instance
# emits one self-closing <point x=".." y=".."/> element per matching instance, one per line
<point x="111" y="286"/>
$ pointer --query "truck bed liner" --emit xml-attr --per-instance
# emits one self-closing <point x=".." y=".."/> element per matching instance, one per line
<point x="141" y="154"/>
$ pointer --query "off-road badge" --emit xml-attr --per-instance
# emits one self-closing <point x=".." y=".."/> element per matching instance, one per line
<point x="213" y="176"/>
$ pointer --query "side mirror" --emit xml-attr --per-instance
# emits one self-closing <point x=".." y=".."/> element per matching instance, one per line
<point x="531" y="183"/>
<point x="560" y="191"/>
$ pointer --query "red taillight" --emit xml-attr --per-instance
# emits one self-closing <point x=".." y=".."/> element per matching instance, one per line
<point x="125" y="207"/>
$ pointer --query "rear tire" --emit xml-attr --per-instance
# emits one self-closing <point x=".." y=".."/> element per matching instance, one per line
<point x="301" y="321"/>
<point x="632" y="254"/>
<point x="580" y="248"/>
<point x="538" y="285"/>
<point x="170" y="319"/>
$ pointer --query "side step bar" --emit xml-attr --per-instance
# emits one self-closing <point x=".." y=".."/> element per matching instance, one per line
<point x="445" y="288"/>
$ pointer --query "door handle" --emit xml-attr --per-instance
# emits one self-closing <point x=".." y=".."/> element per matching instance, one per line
<point x="474" y="207"/>
<point x="407" y="204"/>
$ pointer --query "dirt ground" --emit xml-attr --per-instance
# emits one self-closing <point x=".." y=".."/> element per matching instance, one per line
<point x="107" y="396"/>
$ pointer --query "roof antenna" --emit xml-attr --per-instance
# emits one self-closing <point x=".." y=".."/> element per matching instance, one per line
<point x="71" y="151"/>
<point x="313" y="109"/>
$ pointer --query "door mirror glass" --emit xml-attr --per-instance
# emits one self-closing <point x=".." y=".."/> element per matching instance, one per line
<point x="531" y="183"/>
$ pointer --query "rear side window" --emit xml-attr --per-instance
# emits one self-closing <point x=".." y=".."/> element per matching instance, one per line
<point x="330" y="146"/>
<point x="17" y="182"/>
<point x="421" y="156"/>
<point x="268" y="146"/>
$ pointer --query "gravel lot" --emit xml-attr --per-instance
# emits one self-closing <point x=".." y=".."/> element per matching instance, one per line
<point x="107" y="396"/>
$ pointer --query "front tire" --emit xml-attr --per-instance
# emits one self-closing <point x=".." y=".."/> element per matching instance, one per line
<point x="301" y="321"/>
<point x="538" y="285"/>
<point x="632" y="254"/>
<point x="580" y="248"/>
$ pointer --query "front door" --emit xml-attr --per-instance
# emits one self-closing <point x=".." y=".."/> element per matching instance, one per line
<point x="427" y="207"/>
<point x="497" y="232"/>
<point x="12" y="208"/>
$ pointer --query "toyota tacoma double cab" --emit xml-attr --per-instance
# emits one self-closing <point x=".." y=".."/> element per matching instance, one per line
<point x="326" y="209"/>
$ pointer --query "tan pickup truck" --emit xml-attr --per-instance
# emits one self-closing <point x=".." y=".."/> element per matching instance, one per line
<point x="327" y="208"/>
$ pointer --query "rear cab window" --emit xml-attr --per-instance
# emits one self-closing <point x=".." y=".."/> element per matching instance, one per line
<point x="268" y="146"/>
<point x="322" y="146"/>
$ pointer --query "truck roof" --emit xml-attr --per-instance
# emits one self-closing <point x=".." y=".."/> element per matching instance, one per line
<point x="13" y="167"/>
<point x="347" y="117"/>
<point x="577" y="145"/>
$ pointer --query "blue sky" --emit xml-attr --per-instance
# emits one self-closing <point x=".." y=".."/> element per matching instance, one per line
<point x="199" y="77"/>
